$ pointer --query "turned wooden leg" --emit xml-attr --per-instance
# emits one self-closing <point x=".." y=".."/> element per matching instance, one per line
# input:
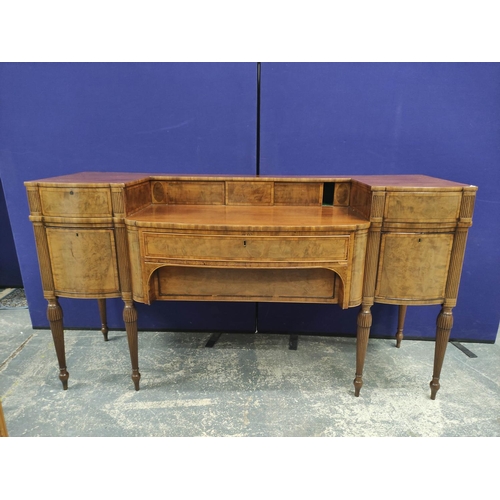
<point x="130" y="319"/>
<point x="55" y="317"/>
<point x="104" y="321"/>
<point x="401" y="324"/>
<point x="363" y="333"/>
<point x="444" y="324"/>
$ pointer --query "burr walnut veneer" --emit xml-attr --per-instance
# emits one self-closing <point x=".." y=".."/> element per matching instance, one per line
<point x="350" y="241"/>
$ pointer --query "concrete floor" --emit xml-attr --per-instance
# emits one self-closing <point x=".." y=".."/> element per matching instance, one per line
<point x="247" y="385"/>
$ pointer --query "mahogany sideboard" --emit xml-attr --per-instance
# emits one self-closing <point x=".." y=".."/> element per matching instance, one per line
<point x="346" y="240"/>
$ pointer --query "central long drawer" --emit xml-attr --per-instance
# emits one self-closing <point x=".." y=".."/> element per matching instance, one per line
<point x="262" y="248"/>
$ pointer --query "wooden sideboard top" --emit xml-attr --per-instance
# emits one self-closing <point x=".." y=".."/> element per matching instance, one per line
<point x="374" y="181"/>
<point x="98" y="178"/>
<point x="248" y="218"/>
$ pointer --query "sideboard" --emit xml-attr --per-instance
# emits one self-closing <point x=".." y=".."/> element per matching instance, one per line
<point x="346" y="240"/>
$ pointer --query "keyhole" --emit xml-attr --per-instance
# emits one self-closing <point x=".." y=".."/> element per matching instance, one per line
<point x="419" y="240"/>
<point x="244" y="243"/>
<point x="71" y="192"/>
<point x="77" y="234"/>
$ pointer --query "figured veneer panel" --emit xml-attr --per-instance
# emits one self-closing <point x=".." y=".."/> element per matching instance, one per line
<point x="341" y="194"/>
<point x="80" y="202"/>
<point x="249" y="193"/>
<point x="34" y="200"/>
<point x="195" y="192"/>
<point x="422" y="207"/>
<point x="259" y="248"/>
<point x="246" y="283"/>
<point x="297" y="193"/>
<point x="159" y="192"/>
<point x="83" y="262"/>
<point x="358" y="267"/>
<point x="137" y="197"/>
<point x="361" y="198"/>
<point x="413" y="266"/>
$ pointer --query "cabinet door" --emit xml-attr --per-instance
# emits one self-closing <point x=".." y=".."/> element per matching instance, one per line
<point x="83" y="262"/>
<point x="413" y="267"/>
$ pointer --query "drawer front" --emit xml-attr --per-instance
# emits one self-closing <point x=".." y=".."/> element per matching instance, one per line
<point x="422" y="207"/>
<point x="76" y="202"/>
<point x="261" y="248"/>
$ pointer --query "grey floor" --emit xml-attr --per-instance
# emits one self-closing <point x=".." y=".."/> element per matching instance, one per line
<point x="247" y="385"/>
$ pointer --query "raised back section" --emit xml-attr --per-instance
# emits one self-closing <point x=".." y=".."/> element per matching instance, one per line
<point x="249" y="191"/>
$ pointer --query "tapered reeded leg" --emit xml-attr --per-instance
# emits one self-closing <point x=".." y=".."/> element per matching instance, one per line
<point x="363" y="333"/>
<point x="444" y="324"/>
<point x="401" y="324"/>
<point x="55" y="317"/>
<point x="104" y="320"/>
<point x="130" y="319"/>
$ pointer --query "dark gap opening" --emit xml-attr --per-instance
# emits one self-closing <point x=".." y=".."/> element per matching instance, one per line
<point x="256" y="317"/>
<point x="328" y="193"/>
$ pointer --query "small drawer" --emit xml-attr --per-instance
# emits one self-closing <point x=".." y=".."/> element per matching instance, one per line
<point x="422" y="207"/>
<point x="258" y="248"/>
<point x="76" y="202"/>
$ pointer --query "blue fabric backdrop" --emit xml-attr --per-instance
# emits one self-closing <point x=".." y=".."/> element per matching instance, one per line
<point x="439" y="119"/>
<point x="10" y="274"/>
<point x="179" y="118"/>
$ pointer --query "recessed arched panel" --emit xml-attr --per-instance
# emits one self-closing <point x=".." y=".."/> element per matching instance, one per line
<point x="169" y="282"/>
